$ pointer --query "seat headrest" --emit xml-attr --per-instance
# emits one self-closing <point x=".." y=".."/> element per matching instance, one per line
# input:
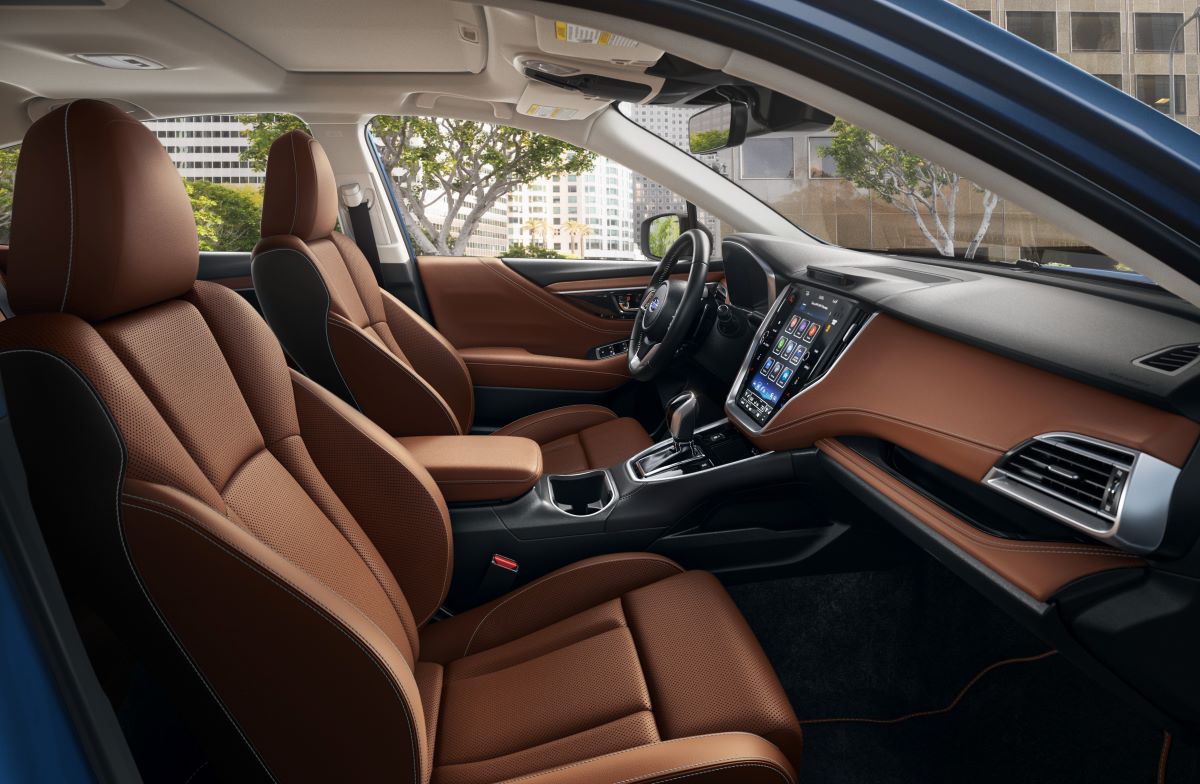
<point x="101" y="222"/>
<point x="300" y="194"/>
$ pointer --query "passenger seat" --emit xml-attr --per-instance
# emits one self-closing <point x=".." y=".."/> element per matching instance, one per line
<point x="286" y="554"/>
<point x="319" y="294"/>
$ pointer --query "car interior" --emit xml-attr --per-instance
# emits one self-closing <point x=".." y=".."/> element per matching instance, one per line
<point x="744" y="506"/>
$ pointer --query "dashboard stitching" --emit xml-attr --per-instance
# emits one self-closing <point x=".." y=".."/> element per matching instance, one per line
<point x="864" y="412"/>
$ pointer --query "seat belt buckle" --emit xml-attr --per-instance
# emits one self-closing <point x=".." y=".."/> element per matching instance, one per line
<point x="500" y="576"/>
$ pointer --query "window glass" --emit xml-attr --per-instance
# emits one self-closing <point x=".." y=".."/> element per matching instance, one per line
<point x="8" y="168"/>
<point x="768" y="158"/>
<point x="982" y="14"/>
<point x="1114" y="79"/>
<point x="1036" y="27"/>
<point x="1155" y="90"/>
<point x="223" y="159"/>
<point x="821" y="165"/>
<point x="1153" y="32"/>
<point x="1095" y="32"/>
<point x="479" y="189"/>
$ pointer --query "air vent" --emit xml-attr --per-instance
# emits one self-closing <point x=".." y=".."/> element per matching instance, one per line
<point x="1109" y="492"/>
<point x="122" y="62"/>
<point x="1171" y="360"/>
<point x="1082" y="473"/>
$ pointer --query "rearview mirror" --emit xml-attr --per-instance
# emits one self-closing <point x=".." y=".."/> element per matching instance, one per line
<point x="718" y="127"/>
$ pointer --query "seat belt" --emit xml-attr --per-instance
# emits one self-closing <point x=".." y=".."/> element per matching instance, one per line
<point x="359" y="208"/>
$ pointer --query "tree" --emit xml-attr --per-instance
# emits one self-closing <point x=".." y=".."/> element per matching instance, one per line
<point x="262" y="130"/>
<point x="576" y="231"/>
<point x="663" y="233"/>
<point x="466" y="165"/>
<point x="537" y="226"/>
<point x="8" y="171"/>
<point x="226" y="218"/>
<point x="519" y="251"/>
<point x="926" y="191"/>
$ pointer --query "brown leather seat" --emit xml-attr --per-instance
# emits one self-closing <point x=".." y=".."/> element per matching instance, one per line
<point x="319" y="294"/>
<point x="287" y="554"/>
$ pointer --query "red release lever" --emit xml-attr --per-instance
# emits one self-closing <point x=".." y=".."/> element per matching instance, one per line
<point x="504" y="562"/>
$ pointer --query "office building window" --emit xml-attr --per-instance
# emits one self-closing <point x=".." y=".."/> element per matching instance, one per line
<point x="1114" y="79"/>
<point x="1152" y="89"/>
<point x="1095" y="31"/>
<point x="1036" y="27"/>
<point x="1152" y="32"/>
<point x="821" y="165"/>
<point x="768" y="158"/>
<point x="984" y="15"/>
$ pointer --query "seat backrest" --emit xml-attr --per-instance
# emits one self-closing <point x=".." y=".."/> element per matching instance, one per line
<point x="319" y="293"/>
<point x="195" y="492"/>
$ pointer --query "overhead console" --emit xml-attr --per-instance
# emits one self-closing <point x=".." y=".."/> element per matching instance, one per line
<point x="801" y="338"/>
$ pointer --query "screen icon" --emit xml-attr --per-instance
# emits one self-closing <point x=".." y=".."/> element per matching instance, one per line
<point x="784" y="376"/>
<point x="787" y="352"/>
<point x="791" y="327"/>
<point x="799" y="355"/>
<point x="803" y="326"/>
<point x="767" y="365"/>
<point x="780" y="344"/>
<point x="775" y="372"/>
<point x="813" y="329"/>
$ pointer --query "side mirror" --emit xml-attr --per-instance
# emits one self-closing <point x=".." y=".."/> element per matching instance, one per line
<point x="659" y="231"/>
<point x="718" y="127"/>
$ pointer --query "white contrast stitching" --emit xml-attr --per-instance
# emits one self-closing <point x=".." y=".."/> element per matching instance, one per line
<point x="71" y="203"/>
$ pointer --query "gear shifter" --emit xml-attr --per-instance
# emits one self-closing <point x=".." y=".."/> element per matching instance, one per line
<point x="681" y="419"/>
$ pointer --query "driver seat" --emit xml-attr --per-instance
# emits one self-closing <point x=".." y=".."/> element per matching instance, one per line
<point x="320" y="296"/>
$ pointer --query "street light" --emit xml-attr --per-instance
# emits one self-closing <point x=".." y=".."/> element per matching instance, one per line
<point x="1171" y="61"/>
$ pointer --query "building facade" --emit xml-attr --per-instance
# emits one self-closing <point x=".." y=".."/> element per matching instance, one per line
<point x="587" y="215"/>
<point x="207" y="147"/>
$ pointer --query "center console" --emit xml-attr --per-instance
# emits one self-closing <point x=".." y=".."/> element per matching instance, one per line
<point x="799" y="341"/>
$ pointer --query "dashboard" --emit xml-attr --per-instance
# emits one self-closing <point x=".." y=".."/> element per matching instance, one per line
<point x="1019" y="430"/>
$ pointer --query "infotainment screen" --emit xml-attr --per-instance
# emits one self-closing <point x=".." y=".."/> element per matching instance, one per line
<point x="805" y="327"/>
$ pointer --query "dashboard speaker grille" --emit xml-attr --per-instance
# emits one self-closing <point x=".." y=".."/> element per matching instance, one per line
<point x="1172" y="360"/>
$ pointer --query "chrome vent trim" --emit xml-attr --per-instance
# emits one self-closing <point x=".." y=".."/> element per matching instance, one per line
<point x="1172" y="360"/>
<point x="1117" y="495"/>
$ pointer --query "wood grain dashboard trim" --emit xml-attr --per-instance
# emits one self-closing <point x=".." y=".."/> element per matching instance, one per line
<point x="961" y="406"/>
<point x="1038" y="568"/>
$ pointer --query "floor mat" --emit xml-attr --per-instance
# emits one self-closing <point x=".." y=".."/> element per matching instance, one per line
<point x="884" y="645"/>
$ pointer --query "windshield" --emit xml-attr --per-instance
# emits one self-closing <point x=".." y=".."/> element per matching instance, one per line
<point x="850" y="187"/>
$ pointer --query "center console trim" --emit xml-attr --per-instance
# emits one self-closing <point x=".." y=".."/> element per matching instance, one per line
<point x="734" y="411"/>
<point x="653" y="478"/>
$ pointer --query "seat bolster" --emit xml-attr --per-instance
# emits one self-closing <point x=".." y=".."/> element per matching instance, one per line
<point x="723" y="758"/>
<point x="388" y="491"/>
<point x="266" y="635"/>
<point x="432" y="356"/>
<point x="547" y="426"/>
<point x="544" y="601"/>
<point x="385" y="389"/>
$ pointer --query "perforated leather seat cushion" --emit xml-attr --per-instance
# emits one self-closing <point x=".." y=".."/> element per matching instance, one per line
<point x="670" y="658"/>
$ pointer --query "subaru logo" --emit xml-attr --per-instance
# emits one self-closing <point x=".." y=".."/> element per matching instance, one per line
<point x="654" y="304"/>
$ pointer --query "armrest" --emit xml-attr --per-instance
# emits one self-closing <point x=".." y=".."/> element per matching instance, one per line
<point x="723" y="758"/>
<point x="516" y="367"/>
<point x="478" y="468"/>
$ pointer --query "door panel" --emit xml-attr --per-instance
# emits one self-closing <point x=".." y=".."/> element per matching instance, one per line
<point x="483" y="303"/>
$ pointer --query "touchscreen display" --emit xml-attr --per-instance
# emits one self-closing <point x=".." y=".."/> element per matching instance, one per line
<point x="790" y="352"/>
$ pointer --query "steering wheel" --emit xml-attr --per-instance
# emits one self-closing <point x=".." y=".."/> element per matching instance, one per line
<point x="668" y="307"/>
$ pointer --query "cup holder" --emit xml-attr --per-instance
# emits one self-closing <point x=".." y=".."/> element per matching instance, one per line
<point x="581" y="494"/>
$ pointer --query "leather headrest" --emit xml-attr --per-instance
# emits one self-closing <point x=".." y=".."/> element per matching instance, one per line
<point x="300" y="194"/>
<point x="101" y="223"/>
